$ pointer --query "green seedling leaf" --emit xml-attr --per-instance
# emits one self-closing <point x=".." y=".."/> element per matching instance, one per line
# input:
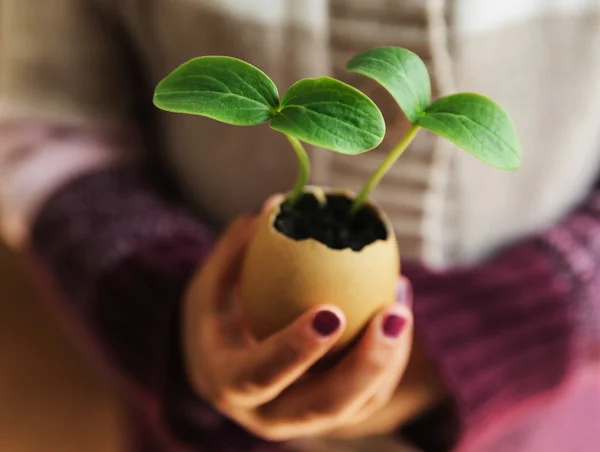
<point x="478" y="125"/>
<point x="330" y="114"/>
<point x="222" y="88"/>
<point x="399" y="71"/>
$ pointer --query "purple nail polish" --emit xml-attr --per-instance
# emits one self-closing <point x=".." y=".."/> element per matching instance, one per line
<point x="326" y="323"/>
<point x="393" y="325"/>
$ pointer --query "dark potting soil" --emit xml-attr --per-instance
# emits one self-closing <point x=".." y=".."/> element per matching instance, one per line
<point x="330" y="223"/>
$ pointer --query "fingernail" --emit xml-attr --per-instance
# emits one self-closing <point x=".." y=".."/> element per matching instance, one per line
<point x="272" y="201"/>
<point x="404" y="293"/>
<point x="326" y="323"/>
<point x="393" y="325"/>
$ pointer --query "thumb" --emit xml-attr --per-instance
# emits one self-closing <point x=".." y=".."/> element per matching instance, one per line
<point x="222" y="267"/>
<point x="272" y="201"/>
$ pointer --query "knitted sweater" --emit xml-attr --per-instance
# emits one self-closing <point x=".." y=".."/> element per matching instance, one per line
<point x="517" y="338"/>
<point x="514" y="332"/>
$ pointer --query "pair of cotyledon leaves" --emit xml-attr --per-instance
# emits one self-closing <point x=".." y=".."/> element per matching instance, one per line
<point x="333" y="115"/>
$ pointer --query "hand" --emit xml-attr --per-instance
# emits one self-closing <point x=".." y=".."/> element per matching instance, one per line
<point x="421" y="388"/>
<point x="266" y="386"/>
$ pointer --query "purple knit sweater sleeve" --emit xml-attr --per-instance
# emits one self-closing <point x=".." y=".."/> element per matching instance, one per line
<point x="122" y="256"/>
<point x="505" y="333"/>
<point x="512" y="336"/>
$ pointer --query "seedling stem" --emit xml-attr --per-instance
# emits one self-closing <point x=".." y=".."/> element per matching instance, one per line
<point x="384" y="167"/>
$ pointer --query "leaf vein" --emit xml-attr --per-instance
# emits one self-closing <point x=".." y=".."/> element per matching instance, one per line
<point x="333" y="102"/>
<point x="204" y="76"/>
<point x="402" y="74"/>
<point x="319" y="126"/>
<point x="463" y="118"/>
<point x="336" y="120"/>
<point x="249" y="86"/>
<point x="230" y="94"/>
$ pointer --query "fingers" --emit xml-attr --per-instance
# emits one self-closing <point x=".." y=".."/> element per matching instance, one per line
<point x="272" y="201"/>
<point x="404" y="292"/>
<point x="383" y="351"/>
<point x="208" y="295"/>
<point x="389" y="386"/>
<point x="378" y="401"/>
<point x="271" y="366"/>
<point x="220" y="271"/>
<point x="219" y="320"/>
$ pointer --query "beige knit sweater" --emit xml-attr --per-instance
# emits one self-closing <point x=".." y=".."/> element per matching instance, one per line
<point x="73" y="63"/>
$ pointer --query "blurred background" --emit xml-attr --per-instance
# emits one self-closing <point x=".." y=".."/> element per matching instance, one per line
<point x="53" y="399"/>
<point x="50" y="398"/>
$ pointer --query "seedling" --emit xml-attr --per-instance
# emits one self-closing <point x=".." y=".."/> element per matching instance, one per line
<point x="284" y="275"/>
<point x="328" y="113"/>
<point x="472" y="121"/>
<point x="323" y="111"/>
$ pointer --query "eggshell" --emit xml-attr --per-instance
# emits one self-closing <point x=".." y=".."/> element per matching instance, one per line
<point x="282" y="278"/>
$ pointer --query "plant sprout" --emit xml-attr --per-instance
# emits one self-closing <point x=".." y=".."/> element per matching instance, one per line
<point x="323" y="111"/>
<point x="330" y="114"/>
<point x="472" y="121"/>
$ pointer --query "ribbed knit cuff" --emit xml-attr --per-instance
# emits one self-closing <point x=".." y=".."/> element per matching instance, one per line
<point x="501" y="333"/>
<point x="121" y="257"/>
